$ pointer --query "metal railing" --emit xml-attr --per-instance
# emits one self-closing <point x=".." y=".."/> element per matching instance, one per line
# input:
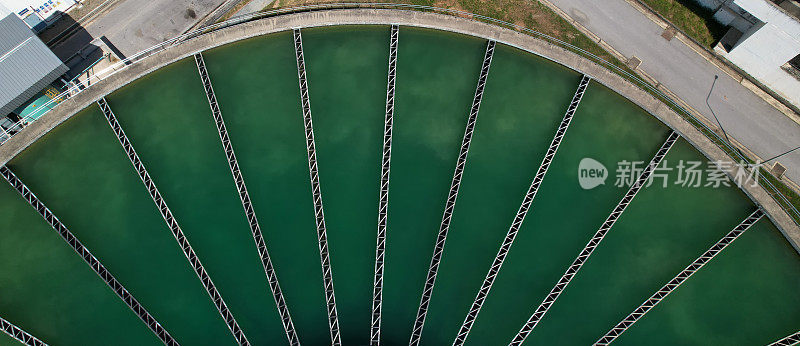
<point x="593" y="243"/>
<point x="789" y="340"/>
<point x="172" y="224"/>
<point x="247" y="204"/>
<point x="319" y="213"/>
<point x="679" y="279"/>
<point x="699" y="124"/>
<point x="20" y="335"/>
<point x="527" y="201"/>
<point x="88" y="257"/>
<point x="383" y="195"/>
<point x="441" y="237"/>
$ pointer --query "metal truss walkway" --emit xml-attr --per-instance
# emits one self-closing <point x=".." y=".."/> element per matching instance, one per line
<point x="679" y="279"/>
<point x="383" y="199"/>
<point x="594" y="242"/>
<point x="483" y="292"/>
<point x="87" y="256"/>
<point x="322" y="237"/>
<point x="19" y="334"/>
<point x="255" y="229"/>
<point x="789" y="340"/>
<point x="438" y="249"/>
<point x="172" y="223"/>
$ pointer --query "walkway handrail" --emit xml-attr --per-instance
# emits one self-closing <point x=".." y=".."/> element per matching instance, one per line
<point x="527" y="202"/>
<point x="316" y="192"/>
<point x="20" y="335"/>
<point x="679" y="279"/>
<point x="452" y="196"/>
<point x="383" y="194"/>
<point x="594" y="242"/>
<point x="699" y="124"/>
<point x="247" y="204"/>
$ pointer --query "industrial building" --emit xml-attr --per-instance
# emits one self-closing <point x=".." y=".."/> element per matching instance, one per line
<point x="27" y="66"/>
<point x="38" y="14"/>
<point x="763" y="40"/>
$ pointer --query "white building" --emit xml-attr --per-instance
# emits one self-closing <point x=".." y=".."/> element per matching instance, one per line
<point x="38" y="14"/>
<point x="763" y="40"/>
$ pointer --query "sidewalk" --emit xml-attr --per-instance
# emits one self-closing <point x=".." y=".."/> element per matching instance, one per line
<point x="745" y="116"/>
<point x="134" y="25"/>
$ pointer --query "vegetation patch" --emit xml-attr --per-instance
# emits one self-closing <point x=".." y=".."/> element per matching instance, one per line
<point x="536" y="16"/>
<point x="694" y="20"/>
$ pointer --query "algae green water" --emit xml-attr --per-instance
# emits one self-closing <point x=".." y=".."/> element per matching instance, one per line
<point x="514" y="129"/>
<point x="83" y="175"/>
<point x="633" y="263"/>
<point x="80" y="171"/>
<point x="347" y="85"/>
<point x="733" y="300"/>
<point x="47" y="289"/>
<point x="437" y="74"/>
<point x="264" y="119"/>
<point x="168" y="120"/>
<point x="564" y="216"/>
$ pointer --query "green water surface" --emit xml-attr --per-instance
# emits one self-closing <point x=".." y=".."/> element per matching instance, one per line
<point x="82" y="174"/>
<point x="346" y="70"/>
<point x="168" y="119"/>
<point x="433" y="98"/>
<point x="265" y="121"/>
<point x="523" y="103"/>
<point x="748" y="295"/>
<point x="564" y="216"/>
<point x="650" y="243"/>
<point x="48" y="290"/>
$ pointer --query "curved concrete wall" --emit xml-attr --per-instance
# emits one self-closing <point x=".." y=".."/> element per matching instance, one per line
<point x="404" y="18"/>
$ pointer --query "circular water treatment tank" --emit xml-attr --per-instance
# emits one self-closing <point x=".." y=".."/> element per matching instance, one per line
<point x="362" y="183"/>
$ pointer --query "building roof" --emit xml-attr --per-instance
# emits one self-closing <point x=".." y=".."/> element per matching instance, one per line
<point x="26" y="64"/>
<point x="4" y="11"/>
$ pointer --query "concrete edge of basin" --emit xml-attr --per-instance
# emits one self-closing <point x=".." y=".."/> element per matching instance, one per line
<point x="455" y="24"/>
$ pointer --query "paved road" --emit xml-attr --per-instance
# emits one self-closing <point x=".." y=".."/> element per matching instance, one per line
<point x="134" y="25"/>
<point x="253" y="6"/>
<point x="745" y="116"/>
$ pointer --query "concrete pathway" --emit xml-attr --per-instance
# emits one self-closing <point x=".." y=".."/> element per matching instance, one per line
<point x="253" y="6"/>
<point x="134" y="25"/>
<point x="745" y="116"/>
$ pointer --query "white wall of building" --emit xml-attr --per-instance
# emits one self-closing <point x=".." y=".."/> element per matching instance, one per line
<point x="767" y="46"/>
<point x="46" y="10"/>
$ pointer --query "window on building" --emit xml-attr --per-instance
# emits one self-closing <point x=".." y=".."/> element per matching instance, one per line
<point x="795" y="62"/>
<point x="793" y="67"/>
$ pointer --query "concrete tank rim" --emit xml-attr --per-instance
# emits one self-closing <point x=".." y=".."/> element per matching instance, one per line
<point x="409" y="18"/>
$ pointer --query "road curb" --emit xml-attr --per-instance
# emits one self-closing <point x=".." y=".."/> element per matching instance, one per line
<point x="716" y="61"/>
<point x="653" y="81"/>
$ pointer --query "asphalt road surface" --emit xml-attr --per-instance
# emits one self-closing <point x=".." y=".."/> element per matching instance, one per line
<point x="134" y="25"/>
<point x="744" y="115"/>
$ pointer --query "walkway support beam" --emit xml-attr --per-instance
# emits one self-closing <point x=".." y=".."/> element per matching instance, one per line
<point x="172" y="223"/>
<point x="18" y="334"/>
<point x="383" y="198"/>
<point x="576" y="265"/>
<point x="679" y="279"/>
<point x="483" y="292"/>
<point x="438" y="249"/>
<point x="322" y="237"/>
<point x="244" y="196"/>
<point x="87" y="256"/>
<point x="789" y="340"/>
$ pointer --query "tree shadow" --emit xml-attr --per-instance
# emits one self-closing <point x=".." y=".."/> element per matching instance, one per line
<point x="716" y="29"/>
